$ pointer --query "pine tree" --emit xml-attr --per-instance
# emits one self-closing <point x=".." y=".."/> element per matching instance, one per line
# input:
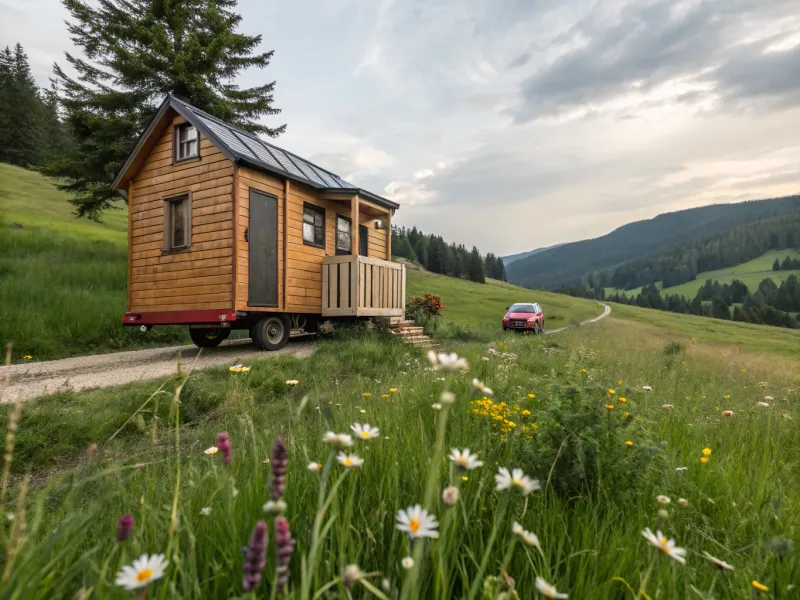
<point x="21" y="129"/>
<point x="776" y="266"/>
<point x="136" y="52"/>
<point x="6" y="86"/>
<point x="475" y="270"/>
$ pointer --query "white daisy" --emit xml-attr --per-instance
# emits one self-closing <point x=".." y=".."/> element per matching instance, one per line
<point x="349" y="460"/>
<point x="143" y="570"/>
<point x="681" y="469"/>
<point x="292" y="382"/>
<point x="720" y="564"/>
<point x="436" y="406"/>
<point x="763" y="404"/>
<point x="481" y="387"/>
<point x="667" y="546"/>
<point x="205" y="511"/>
<point x="314" y="466"/>
<point x="683" y="502"/>
<point x="547" y="590"/>
<point x="531" y="539"/>
<point x="447" y="362"/>
<point x="416" y="521"/>
<point x="407" y="562"/>
<point x="770" y="398"/>
<point x="447" y="398"/>
<point x="465" y="460"/>
<point x="211" y="450"/>
<point x="365" y="432"/>
<point x="667" y="406"/>
<point x="663" y="499"/>
<point x="647" y="388"/>
<point x="515" y="479"/>
<point x="338" y="440"/>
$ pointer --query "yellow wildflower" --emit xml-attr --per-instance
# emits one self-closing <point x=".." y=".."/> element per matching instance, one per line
<point x="584" y="371"/>
<point x="760" y="586"/>
<point x="610" y="406"/>
<point x="366" y="395"/>
<point x="464" y="478"/>
<point x="629" y="443"/>
<point x="706" y="451"/>
<point x="625" y="415"/>
<point x="531" y="396"/>
<point x="385" y="396"/>
<point x="392" y="390"/>
<point x="621" y="399"/>
<point x="703" y="459"/>
<point x="526" y="413"/>
<point x="611" y="392"/>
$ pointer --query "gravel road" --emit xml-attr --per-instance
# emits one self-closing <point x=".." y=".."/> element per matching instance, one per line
<point x="105" y="370"/>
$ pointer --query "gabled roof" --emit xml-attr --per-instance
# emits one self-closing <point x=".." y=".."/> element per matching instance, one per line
<point x="243" y="148"/>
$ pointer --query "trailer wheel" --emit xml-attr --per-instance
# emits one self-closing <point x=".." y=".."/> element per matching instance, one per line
<point x="208" y="337"/>
<point x="271" y="332"/>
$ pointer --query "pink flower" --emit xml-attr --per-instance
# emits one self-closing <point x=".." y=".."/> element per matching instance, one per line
<point x="124" y="527"/>
<point x="277" y="483"/>
<point x="224" y="447"/>
<point x="255" y="558"/>
<point x="285" y="547"/>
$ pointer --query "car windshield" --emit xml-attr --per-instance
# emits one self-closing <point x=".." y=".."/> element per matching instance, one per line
<point x="522" y="308"/>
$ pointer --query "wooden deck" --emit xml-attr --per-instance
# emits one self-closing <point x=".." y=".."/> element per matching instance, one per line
<point x="358" y="286"/>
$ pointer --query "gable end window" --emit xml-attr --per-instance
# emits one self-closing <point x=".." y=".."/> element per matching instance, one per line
<point x="313" y="225"/>
<point x="178" y="222"/>
<point x="187" y="142"/>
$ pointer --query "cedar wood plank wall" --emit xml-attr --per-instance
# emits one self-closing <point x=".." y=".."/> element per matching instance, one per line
<point x="202" y="276"/>
<point x="304" y="282"/>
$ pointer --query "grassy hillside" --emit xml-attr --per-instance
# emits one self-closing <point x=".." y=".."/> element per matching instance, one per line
<point x="566" y="264"/>
<point x="750" y="273"/>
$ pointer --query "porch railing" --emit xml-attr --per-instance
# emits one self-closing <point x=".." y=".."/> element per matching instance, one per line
<point x="362" y="287"/>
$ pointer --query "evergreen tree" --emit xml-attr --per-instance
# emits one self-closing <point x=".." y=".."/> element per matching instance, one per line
<point x="720" y="310"/>
<point x="776" y="266"/>
<point x="21" y="107"/>
<point x="136" y="52"/>
<point x="475" y="269"/>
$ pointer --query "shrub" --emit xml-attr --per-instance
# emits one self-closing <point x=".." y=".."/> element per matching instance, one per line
<point x="423" y="308"/>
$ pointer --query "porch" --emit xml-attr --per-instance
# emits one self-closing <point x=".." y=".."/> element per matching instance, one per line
<point x="358" y="286"/>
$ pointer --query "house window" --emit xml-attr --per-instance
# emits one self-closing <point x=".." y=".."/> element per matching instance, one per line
<point x="363" y="240"/>
<point x="178" y="222"/>
<point x="187" y="142"/>
<point x="343" y="236"/>
<point x="313" y="225"/>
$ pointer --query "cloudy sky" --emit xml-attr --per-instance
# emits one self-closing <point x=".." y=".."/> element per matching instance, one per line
<point x="516" y="124"/>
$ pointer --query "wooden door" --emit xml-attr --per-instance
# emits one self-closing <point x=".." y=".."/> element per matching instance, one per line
<point x="263" y="235"/>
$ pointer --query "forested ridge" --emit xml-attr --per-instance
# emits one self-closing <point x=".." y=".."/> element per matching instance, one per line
<point x="653" y="239"/>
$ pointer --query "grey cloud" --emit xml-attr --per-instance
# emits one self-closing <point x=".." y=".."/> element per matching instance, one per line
<point x="755" y="74"/>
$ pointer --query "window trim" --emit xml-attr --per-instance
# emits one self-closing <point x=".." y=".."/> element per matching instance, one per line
<point x="168" y="225"/>
<point x="317" y="209"/>
<point x="336" y="250"/>
<point x="176" y="144"/>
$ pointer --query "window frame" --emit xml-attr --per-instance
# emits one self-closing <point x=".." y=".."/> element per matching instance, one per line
<point x="314" y="209"/>
<point x="176" y="143"/>
<point x="336" y="250"/>
<point x="169" y="230"/>
<point x="363" y="234"/>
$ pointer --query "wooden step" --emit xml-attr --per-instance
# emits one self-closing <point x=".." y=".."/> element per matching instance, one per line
<point x="410" y="331"/>
<point x="401" y="323"/>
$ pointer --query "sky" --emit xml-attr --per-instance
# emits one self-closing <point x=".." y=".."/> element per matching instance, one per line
<point x="518" y="124"/>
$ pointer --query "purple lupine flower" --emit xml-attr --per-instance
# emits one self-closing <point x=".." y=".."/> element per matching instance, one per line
<point x="279" y="461"/>
<point x="224" y="447"/>
<point x="124" y="527"/>
<point x="255" y="558"/>
<point x="285" y="547"/>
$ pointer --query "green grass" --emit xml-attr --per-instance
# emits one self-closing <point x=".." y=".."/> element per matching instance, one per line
<point x="62" y="280"/>
<point x="750" y="273"/>
<point x="739" y="504"/>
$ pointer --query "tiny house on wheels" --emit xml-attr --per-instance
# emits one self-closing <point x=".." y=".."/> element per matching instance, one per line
<point x="227" y="231"/>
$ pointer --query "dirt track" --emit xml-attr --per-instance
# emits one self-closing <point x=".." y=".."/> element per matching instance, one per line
<point x="105" y="370"/>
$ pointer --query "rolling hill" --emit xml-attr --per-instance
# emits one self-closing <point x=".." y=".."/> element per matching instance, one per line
<point x="507" y="260"/>
<point x="566" y="264"/>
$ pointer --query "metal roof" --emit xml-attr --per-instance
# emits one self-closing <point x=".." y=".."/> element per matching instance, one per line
<point x="243" y="147"/>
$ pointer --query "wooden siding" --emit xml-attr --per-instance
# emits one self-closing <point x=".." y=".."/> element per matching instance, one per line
<point x="200" y="277"/>
<point x="303" y="278"/>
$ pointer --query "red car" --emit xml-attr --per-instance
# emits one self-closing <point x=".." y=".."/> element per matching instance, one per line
<point x="524" y="317"/>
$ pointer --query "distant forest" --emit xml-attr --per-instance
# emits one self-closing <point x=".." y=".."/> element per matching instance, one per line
<point x="682" y="263"/>
<point x="437" y="256"/>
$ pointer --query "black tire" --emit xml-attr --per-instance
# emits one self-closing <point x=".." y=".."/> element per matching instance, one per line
<point x="541" y="326"/>
<point x="208" y="337"/>
<point x="271" y="332"/>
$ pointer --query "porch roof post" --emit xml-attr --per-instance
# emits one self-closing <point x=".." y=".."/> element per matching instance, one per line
<point x="354" y="225"/>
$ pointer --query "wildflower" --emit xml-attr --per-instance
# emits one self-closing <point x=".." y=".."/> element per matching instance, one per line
<point x="526" y="413"/>
<point x="448" y="398"/>
<point x="436" y="406"/>
<point x="720" y="564"/>
<point x="386" y="585"/>
<point x="447" y="362"/>
<point x="314" y="466"/>
<point x="337" y="440"/>
<point x="706" y="451"/>
<point x="362" y="411"/>
<point x="384" y="396"/>
<point x="611" y="392"/>
<point x="365" y="432"/>
<point x="531" y="396"/>
<point x="464" y="478"/>
<point x="349" y="460"/>
<point x="763" y="384"/>
<point x="703" y="459"/>
<point x="625" y="415"/>
<point x="759" y="586"/>
<point x="667" y="546"/>
<point x="629" y="443"/>
<point x="27" y="357"/>
<point x="683" y="502"/>
<point x="292" y="382"/>
<point x="609" y="406"/>
<point x="205" y="511"/>
<point x="663" y="499"/>
<point x="280" y="460"/>
<point x="392" y="390"/>
<point x="621" y="399"/>
<point x="663" y="514"/>
<point x="351" y="575"/>
<point x="566" y="366"/>
<point x="211" y="450"/>
<point x="583" y="371"/>
<point x="366" y="395"/>
<point x="529" y="538"/>
<point x="450" y="495"/>
<point x="284" y="548"/>
<point x="274" y="507"/>
<point x="647" y="388"/>
<point x="143" y="570"/>
<point x="465" y="460"/>
<point x="407" y="562"/>
<point x="239" y="369"/>
<point x="255" y="558"/>
<point x="417" y="522"/>
<point x="770" y="398"/>
<point x="547" y="590"/>
<point x="667" y="406"/>
<point x="124" y="527"/>
<point x="764" y="404"/>
<point x="224" y="447"/>
<point x="726" y="397"/>
<point x="516" y="479"/>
